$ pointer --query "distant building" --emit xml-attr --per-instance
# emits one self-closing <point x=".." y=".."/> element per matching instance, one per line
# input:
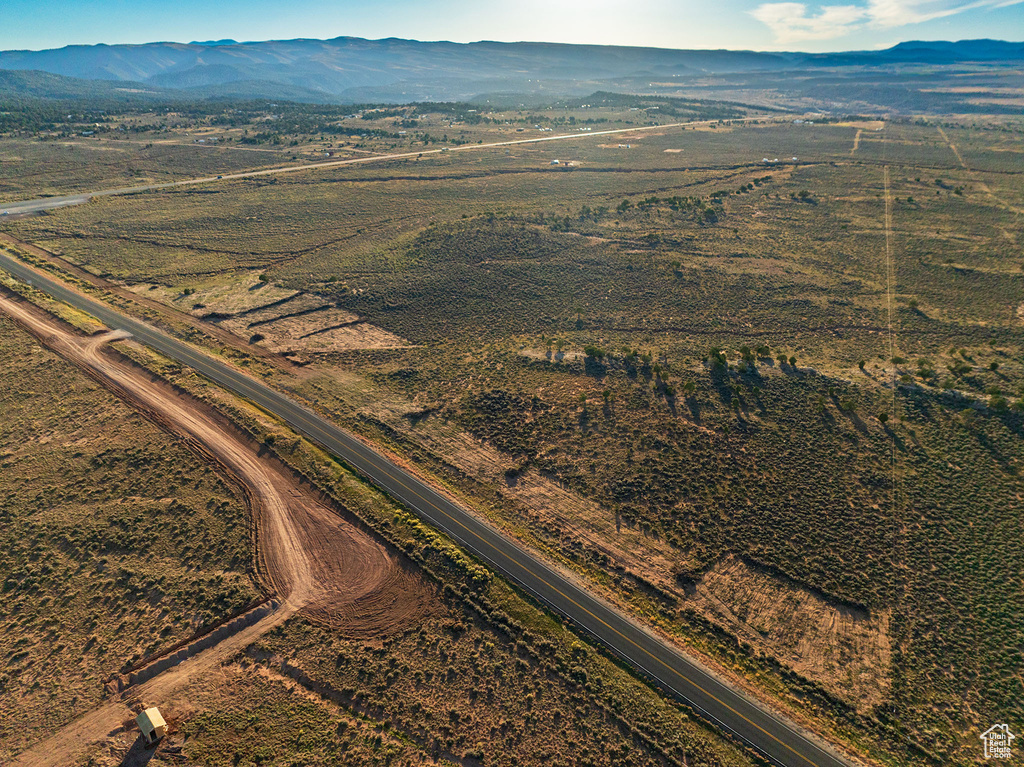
<point x="152" y="725"/>
<point x="555" y="162"/>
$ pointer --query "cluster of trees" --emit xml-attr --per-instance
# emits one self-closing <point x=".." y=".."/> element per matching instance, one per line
<point x="705" y="210"/>
<point x="564" y="120"/>
<point x="455" y="110"/>
<point x="749" y="187"/>
<point x="693" y="109"/>
<point x="18" y="115"/>
<point x="748" y="357"/>
<point x="35" y="114"/>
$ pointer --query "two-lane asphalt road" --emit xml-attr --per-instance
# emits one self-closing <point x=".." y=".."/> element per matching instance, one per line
<point x="777" y="739"/>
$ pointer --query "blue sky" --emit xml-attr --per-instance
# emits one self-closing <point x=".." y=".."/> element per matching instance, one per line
<point x="757" y="24"/>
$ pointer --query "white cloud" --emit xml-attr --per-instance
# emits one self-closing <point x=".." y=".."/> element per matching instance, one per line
<point x="792" y="22"/>
<point x="898" y="13"/>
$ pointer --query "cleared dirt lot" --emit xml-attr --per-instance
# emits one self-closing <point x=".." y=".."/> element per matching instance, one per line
<point x="310" y="556"/>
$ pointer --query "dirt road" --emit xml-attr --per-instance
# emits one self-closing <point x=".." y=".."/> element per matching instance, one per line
<point x="685" y="677"/>
<point x="983" y="186"/>
<point x="27" y="207"/>
<point x="314" y="560"/>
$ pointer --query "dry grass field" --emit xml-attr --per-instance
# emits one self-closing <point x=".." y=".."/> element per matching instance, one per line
<point x="116" y="541"/>
<point x="485" y="678"/>
<point x="32" y="169"/>
<point x="775" y="422"/>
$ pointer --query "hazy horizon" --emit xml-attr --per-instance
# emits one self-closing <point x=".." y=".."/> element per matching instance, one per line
<point x="255" y="41"/>
<point x="734" y="24"/>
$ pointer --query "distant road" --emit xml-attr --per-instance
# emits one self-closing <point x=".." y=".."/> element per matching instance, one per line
<point x="772" y="735"/>
<point x="45" y="203"/>
<point x="49" y="203"/>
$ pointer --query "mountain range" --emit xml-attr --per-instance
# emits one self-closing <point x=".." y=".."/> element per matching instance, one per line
<point x="356" y="69"/>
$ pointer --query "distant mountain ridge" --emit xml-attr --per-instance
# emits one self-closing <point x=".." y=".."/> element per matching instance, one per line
<point x="35" y="84"/>
<point x="354" y="68"/>
<point x="922" y="52"/>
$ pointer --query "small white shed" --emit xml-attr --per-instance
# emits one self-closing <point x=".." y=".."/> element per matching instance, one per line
<point x="152" y="725"/>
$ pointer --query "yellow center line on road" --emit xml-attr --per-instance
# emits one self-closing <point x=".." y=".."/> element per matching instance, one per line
<point x="306" y="420"/>
<point x="256" y="391"/>
<point x="565" y="596"/>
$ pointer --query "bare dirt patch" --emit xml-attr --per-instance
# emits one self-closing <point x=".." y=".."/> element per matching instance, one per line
<point x="845" y="648"/>
<point x="599" y="530"/>
<point x="243" y="293"/>
<point x="296" y="304"/>
<point x="324" y="329"/>
<point x="308" y="553"/>
<point x="358" y="335"/>
<point x="277" y="319"/>
<point x="872" y="125"/>
<point x="1017" y="101"/>
<point x="551" y="356"/>
<point x="359" y="589"/>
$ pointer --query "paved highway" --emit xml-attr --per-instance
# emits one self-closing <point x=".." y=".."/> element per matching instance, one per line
<point x="50" y="203"/>
<point x="775" y="738"/>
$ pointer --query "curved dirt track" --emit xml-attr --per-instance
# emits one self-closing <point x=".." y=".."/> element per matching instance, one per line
<point x="355" y="585"/>
<point x="309" y="556"/>
<point x="315" y="561"/>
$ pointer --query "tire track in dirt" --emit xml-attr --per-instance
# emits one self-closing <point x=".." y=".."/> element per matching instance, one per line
<point x="983" y="186"/>
<point x="312" y="558"/>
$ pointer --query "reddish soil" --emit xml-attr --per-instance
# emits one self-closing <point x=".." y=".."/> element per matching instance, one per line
<point x="319" y="563"/>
